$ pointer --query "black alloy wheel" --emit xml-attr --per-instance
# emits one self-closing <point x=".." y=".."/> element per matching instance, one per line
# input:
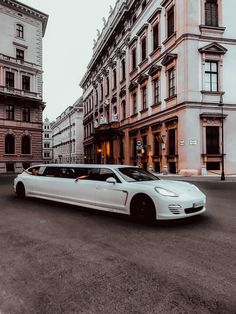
<point x="20" y="190"/>
<point x="142" y="208"/>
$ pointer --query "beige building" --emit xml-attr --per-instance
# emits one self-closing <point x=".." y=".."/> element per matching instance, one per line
<point x="47" y="141"/>
<point x="160" y="85"/>
<point x="21" y="104"/>
<point x="68" y="134"/>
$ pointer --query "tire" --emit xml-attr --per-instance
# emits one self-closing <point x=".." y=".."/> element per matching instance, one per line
<point x="142" y="208"/>
<point x="20" y="190"/>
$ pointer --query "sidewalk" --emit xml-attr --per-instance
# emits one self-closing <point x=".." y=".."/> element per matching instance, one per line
<point x="207" y="178"/>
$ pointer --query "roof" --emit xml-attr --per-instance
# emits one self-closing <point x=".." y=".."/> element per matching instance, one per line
<point x="84" y="165"/>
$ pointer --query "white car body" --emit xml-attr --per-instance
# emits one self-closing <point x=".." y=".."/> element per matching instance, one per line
<point x="169" y="199"/>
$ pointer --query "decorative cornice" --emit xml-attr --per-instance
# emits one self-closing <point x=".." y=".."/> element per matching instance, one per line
<point x="142" y="77"/>
<point x="25" y="9"/>
<point x="119" y="53"/>
<point x="132" y="86"/>
<point x="213" y="48"/>
<point x="154" y="69"/>
<point x="142" y="29"/>
<point x="168" y="58"/>
<point x="134" y="39"/>
<point x="154" y="15"/>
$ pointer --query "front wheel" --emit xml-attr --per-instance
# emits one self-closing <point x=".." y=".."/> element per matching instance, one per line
<point x="142" y="208"/>
<point x="20" y="190"/>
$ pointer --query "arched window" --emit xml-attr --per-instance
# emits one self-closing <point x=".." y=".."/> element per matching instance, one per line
<point x="9" y="144"/>
<point x="25" y="145"/>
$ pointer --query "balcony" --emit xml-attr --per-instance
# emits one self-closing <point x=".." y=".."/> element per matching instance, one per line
<point x="19" y="92"/>
<point x="19" y="62"/>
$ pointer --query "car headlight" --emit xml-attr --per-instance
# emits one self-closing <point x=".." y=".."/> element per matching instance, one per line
<point x="165" y="192"/>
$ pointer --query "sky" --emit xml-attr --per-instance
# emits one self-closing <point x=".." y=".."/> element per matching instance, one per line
<point x="67" y="47"/>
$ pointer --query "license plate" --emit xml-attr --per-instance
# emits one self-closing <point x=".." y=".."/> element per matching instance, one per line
<point x="198" y="204"/>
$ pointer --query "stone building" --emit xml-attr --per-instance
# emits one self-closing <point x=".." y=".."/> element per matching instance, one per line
<point x="160" y="85"/>
<point x="68" y="135"/>
<point x="21" y="104"/>
<point x="47" y="141"/>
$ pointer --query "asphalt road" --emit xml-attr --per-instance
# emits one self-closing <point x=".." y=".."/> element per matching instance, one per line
<point x="57" y="258"/>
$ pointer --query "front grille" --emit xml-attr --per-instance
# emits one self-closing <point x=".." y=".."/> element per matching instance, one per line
<point x="193" y="210"/>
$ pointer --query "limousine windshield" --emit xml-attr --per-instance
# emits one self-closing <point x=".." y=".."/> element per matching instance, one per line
<point x="132" y="174"/>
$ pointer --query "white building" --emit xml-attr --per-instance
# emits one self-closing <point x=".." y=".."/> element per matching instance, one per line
<point x="21" y="97"/>
<point x="157" y="76"/>
<point x="68" y="135"/>
<point x="47" y="141"/>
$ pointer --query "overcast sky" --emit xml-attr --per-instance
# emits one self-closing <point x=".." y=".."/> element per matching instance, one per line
<point x="67" y="47"/>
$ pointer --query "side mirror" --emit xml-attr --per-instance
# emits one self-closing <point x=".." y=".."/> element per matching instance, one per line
<point x="111" y="180"/>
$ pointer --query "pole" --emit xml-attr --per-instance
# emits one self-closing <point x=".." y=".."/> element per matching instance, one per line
<point x="222" y="138"/>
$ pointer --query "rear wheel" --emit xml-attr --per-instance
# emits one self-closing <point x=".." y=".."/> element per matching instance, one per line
<point x="20" y="190"/>
<point x="142" y="208"/>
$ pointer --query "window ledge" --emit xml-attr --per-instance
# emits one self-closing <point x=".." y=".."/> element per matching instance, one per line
<point x="172" y="156"/>
<point x="169" y="38"/>
<point x="134" y="115"/>
<point x="123" y="81"/>
<point x="10" y="155"/>
<point x="156" y="105"/>
<point x="170" y="98"/>
<point x="143" y="110"/>
<point x="143" y="62"/>
<point x="213" y="155"/>
<point x="133" y="71"/>
<point x="218" y="29"/>
<point x="206" y="92"/>
<point x="155" y="51"/>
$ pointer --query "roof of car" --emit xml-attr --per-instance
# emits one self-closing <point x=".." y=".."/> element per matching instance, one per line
<point x="83" y="165"/>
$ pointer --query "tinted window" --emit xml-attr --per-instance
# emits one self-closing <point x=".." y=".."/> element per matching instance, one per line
<point x="136" y="174"/>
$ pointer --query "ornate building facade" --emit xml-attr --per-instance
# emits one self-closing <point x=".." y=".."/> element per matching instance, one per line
<point x="21" y="104"/>
<point x="160" y="87"/>
<point x="68" y="135"/>
<point x="47" y="141"/>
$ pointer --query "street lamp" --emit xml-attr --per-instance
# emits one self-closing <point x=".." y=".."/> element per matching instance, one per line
<point x="221" y="104"/>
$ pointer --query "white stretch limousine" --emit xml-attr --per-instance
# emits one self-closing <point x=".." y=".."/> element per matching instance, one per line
<point x="115" y="188"/>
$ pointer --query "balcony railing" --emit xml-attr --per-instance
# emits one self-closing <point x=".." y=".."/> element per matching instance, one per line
<point x="19" y="92"/>
<point x="15" y="61"/>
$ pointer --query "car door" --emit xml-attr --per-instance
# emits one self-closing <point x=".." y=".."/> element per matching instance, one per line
<point x="64" y="184"/>
<point x="112" y="196"/>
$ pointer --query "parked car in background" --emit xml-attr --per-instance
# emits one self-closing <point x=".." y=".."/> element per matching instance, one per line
<point x="115" y="188"/>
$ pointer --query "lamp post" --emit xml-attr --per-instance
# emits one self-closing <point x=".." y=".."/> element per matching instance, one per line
<point x="221" y="104"/>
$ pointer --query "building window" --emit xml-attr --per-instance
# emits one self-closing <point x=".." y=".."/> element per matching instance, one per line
<point x="19" y="30"/>
<point x="123" y="69"/>
<point x="211" y="13"/>
<point x="155" y="37"/>
<point x="134" y="64"/>
<point x="171" y="142"/>
<point x="156" y="91"/>
<point x="10" y="112"/>
<point x="101" y="93"/>
<point x="108" y="85"/>
<point x="25" y="145"/>
<point x="96" y="95"/>
<point x="46" y="155"/>
<point x="9" y="144"/>
<point x="123" y="105"/>
<point x="10" y="79"/>
<point x="20" y="54"/>
<point x="143" y="49"/>
<point x="212" y="140"/>
<point x="46" y="135"/>
<point x="144" y="4"/>
<point x="114" y="79"/>
<point x="157" y="144"/>
<point x="170" y="22"/>
<point x="26" y="114"/>
<point x="134" y="100"/>
<point x="211" y="76"/>
<point x="144" y="97"/>
<point x="46" y="145"/>
<point x="26" y="83"/>
<point x="134" y="148"/>
<point x="171" y="80"/>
